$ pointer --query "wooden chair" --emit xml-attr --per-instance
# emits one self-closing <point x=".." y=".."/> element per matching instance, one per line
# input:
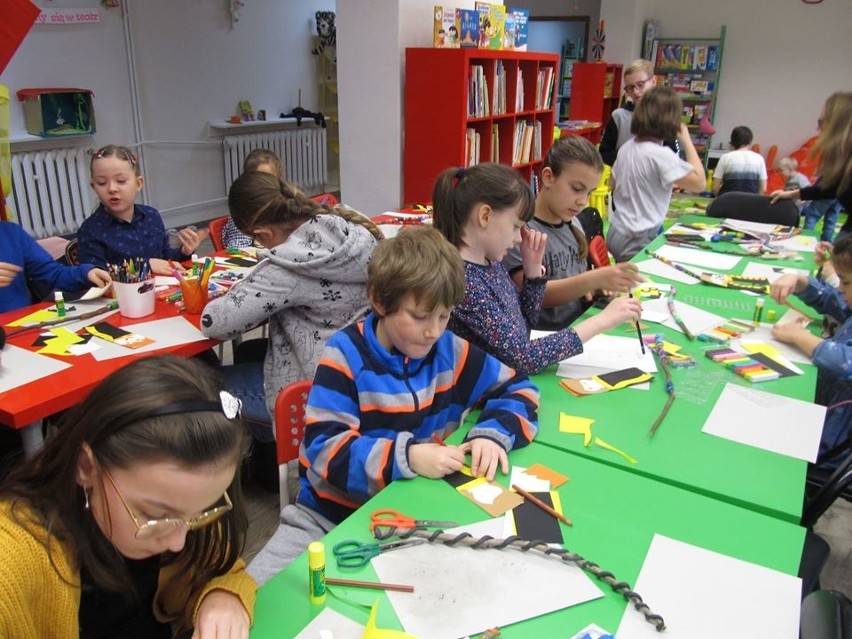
<point x="215" y="228"/>
<point x="754" y="208"/>
<point x="289" y="429"/>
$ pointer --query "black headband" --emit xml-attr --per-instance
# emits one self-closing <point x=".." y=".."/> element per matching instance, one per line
<point x="228" y="405"/>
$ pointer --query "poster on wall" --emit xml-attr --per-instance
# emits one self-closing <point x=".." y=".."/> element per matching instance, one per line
<point x="68" y="16"/>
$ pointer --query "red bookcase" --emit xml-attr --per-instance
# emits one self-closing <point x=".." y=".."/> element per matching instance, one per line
<point x="595" y="92"/>
<point x="442" y="118"/>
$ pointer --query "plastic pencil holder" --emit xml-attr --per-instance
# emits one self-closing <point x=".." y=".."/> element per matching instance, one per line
<point x="135" y="299"/>
<point x="194" y="295"/>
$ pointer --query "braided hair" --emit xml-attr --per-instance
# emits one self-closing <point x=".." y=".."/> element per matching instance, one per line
<point x="256" y="199"/>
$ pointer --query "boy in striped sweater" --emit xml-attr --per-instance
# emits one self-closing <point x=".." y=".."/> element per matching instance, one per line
<point x="386" y="385"/>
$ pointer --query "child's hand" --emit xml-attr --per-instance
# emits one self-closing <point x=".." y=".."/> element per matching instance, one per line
<point x="434" y="461"/>
<point x="532" y="252"/>
<point x="221" y="615"/>
<point x="786" y="285"/>
<point x="190" y="239"/>
<point x="789" y="332"/>
<point x="163" y="267"/>
<point x="618" y="278"/>
<point x="8" y="272"/>
<point x="784" y="195"/>
<point x="822" y="252"/>
<point x="485" y="454"/>
<point x="99" y="277"/>
<point x="619" y="310"/>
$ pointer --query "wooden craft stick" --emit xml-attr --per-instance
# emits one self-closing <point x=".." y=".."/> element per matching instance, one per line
<point x="109" y="306"/>
<point x="542" y="505"/>
<point x="375" y="585"/>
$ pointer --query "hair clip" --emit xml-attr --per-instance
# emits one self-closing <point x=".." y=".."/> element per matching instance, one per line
<point x="231" y="406"/>
<point x="460" y="173"/>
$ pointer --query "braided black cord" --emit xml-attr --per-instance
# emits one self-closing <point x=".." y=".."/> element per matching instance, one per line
<point x="487" y="542"/>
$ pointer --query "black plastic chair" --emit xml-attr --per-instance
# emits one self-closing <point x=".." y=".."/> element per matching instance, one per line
<point x="824" y="485"/>
<point x="754" y="208"/>
<point x="826" y="614"/>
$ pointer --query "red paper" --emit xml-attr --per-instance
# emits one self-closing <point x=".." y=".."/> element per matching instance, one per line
<point x="18" y="17"/>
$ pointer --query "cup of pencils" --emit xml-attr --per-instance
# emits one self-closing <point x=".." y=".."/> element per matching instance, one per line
<point x="194" y="286"/>
<point x="134" y="287"/>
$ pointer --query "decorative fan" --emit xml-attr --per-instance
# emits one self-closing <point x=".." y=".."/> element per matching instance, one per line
<point x="599" y="43"/>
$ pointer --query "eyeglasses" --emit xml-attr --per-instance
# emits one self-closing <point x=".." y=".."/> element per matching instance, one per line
<point x="638" y="86"/>
<point x="159" y="527"/>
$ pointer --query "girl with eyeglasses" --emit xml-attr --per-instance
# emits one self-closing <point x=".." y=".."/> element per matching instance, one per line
<point x="129" y="523"/>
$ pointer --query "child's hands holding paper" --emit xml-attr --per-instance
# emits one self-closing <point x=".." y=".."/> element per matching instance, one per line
<point x="99" y="278"/>
<point x="435" y="460"/>
<point x="485" y="454"/>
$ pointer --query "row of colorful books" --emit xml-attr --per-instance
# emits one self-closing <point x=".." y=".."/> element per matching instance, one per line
<point x="687" y="84"/>
<point x="527" y="142"/>
<point x="686" y="56"/>
<point x="488" y="26"/>
<point x="480" y="102"/>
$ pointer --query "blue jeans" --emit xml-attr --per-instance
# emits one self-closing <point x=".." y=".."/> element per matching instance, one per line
<point x="816" y="209"/>
<point x="245" y="382"/>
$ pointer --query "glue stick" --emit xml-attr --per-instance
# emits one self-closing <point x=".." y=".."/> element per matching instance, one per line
<point x="316" y="572"/>
<point x="59" y="299"/>
<point x="194" y="265"/>
<point x="758" y="311"/>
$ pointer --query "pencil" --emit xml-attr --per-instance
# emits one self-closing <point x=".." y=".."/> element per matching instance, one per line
<point x="375" y="585"/>
<point x="437" y="439"/>
<point x="541" y="505"/>
<point x="639" y="329"/>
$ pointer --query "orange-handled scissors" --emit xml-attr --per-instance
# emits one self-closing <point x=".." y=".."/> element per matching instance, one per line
<point x="389" y="518"/>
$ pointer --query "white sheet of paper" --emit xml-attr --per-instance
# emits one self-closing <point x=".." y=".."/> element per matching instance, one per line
<point x="689" y="586"/>
<point x="680" y="228"/>
<point x="613" y="353"/>
<point x="658" y="317"/>
<point x="698" y="257"/>
<point x="164" y="332"/>
<point x="748" y="227"/>
<point x="94" y="293"/>
<point x="770" y="272"/>
<point x="656" y="267"/>
<point x="332" y="621"/>
<point x="763" y="333"/>
<point x="800" y="243"/>
<point x="165" y="280"/>
<point x="18" y="366"/>
<point x="696" y="319"/>
<point x="529" y="483"/>
<point x="783" y="425"/>
<point x="459" y="591"/>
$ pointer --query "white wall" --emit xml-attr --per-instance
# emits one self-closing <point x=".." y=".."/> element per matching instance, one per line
<point x="782" y="58"/>
<point x="192" y="66"/>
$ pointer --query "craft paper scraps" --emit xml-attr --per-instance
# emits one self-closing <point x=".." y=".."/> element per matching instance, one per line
<point x="618" y="451"/>
<point x="330" y="623"/>
<point x="522" y="477"/>
<point x="111" y="333"/>
<point x="42" y="315"/>
<point x="529" y="521"/>
<point x="576" y="425"/>
<point x="59" y="342"/>
<point x="543" y="472"/>
<point x="488" y="495"/>
<point x="372" y="631"/>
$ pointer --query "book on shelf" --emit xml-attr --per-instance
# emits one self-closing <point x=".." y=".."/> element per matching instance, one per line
<point x="495" y="143"/>
<point x="522" y="28"/>
<point x="523" y="141"/>
<point x="498" y="102"/>
<point x="509" y="32"/>
<point x="687" y="57"/>
<point x="472" y="147"/>
<point x="519" y="91"/>
<point x="446" y="27"/>
<point x="477" y="96"/>
<point x="468" y="28"/>
<point x="492" y="23"/>
<point x="544" y="88"/>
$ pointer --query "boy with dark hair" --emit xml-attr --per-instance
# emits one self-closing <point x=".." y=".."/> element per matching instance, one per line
<point x="386" y="386"/>
<point x="741" y="169"/>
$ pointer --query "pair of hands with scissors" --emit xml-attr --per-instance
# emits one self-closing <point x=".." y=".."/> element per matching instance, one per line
<point x="436" y="461"/>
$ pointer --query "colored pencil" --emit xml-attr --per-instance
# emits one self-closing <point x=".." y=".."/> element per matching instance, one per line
<point x="437" y="439"/>
<point x="639" y="330"/>
<point x="375" y="585"/>
<point x="542" y="505"/>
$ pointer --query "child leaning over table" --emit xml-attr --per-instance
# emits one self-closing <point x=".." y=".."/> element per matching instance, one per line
<point x="419" y="380"/>
<point x="832" y="356"/>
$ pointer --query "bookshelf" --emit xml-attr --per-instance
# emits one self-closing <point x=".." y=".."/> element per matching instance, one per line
<point x="464" y="106"/>
<point x="692" y="67"/>
<point x="570" y="54"/>
<point x="595" y="92"/>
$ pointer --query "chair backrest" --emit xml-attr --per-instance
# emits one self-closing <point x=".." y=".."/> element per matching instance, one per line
<point x="598" y="252"/>
<point x="754" y="208"/>
<point x="290" y="419"/>
<point x="825" y="486"/>
<point x="215" y="228"/>
<point x="326" y="198"/>
<point x="592" y="223"/>
<point x="771" y="154"/>
<point x="826" y="614"/>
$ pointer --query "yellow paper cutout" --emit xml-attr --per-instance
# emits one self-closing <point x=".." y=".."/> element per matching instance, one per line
<point x="577" y="425"/>
<point x="371" y="631"/>
<point x="59" y="345"/>
<point x="43" y="315"/>
<point x="618" y="451"/>
<point x="760" y="347"/>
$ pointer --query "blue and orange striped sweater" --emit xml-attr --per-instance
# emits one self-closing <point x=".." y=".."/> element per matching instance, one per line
<point x="368" y="405"/>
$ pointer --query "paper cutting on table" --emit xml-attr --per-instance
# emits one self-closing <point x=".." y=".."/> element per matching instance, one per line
<point x="758" y="601"/>
<point x="461" y="591"/>
<point x="59" y="342"/>
<point x="488" y="495"/>
<point x="530" y="522"/>
<point x="116" y="335"/>
<point x="42" y="315"/>
<point x="522" y="477"/>
<point x="333" y="622"/>
<point x="540" y="470"/>
<point x="617" y="451"/>
<point x="576" y="425"/>
<point x="783" y="425"/>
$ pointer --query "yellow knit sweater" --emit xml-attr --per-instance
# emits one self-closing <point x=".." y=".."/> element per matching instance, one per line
<point x="40" y="589"/>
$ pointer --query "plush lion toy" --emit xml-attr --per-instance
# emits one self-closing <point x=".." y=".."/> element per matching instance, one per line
<point x="326" y="30"/>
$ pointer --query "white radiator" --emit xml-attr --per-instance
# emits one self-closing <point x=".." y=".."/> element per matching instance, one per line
<point x="302" y="151"/>
<point x="50" y="190"/>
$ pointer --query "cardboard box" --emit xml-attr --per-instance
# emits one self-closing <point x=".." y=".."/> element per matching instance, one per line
<point x="53" y="113"/>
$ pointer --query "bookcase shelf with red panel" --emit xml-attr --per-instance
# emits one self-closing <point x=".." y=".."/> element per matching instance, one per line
<point x="595" y="93"/>
<point x="465" y="106"/>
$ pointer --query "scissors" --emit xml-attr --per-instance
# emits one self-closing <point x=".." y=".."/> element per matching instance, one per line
<point x="354" y="554"/>
<point x="389" y="518"/>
